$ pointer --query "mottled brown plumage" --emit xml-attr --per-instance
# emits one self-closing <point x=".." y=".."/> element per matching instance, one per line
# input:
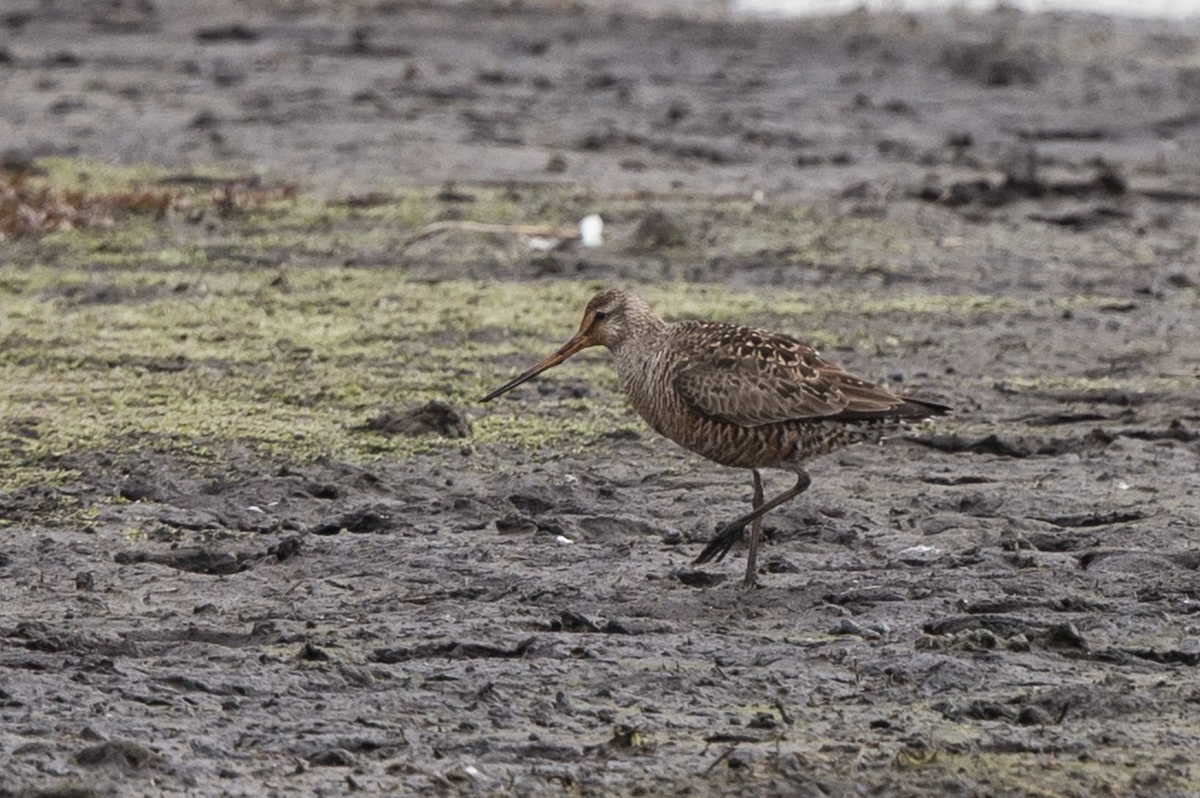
<point x="740" y="396"/>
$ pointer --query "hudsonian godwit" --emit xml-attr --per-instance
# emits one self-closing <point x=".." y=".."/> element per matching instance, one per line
<point x="740" y="396"/>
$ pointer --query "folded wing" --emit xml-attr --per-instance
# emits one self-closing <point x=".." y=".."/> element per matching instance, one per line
<point x="754" y="377"/>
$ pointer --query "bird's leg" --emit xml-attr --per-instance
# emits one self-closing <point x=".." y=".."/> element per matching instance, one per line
<point x="751" y="579"/>
<point x="723" y="541"/>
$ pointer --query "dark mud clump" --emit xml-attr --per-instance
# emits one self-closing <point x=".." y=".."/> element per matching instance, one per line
<point x="434" y="418"/>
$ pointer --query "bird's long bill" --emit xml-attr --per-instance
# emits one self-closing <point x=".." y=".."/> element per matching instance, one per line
<point x="580" y="341"/>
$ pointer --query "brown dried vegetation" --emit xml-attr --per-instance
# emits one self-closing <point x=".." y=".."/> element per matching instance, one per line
<point x="30" y="206"/>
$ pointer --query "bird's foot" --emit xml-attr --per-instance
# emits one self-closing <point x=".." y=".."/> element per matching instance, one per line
<point x="721" y="543"/>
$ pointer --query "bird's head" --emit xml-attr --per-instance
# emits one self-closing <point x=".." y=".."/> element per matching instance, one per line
<point x="610" y="319"/>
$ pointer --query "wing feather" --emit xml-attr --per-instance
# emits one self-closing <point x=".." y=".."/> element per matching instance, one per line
<point x="753" y="377"/>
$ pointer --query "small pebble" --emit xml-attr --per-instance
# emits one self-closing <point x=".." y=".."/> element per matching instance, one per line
<point x="919" y="555"/>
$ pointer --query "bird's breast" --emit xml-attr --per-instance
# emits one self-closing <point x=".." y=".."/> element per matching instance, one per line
<point x="784" y="445"/>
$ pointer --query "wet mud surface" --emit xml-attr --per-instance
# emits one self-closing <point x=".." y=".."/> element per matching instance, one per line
<point x="1007" y="603"/>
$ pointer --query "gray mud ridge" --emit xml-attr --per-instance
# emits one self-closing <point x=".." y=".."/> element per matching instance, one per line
<point x="1003" y="606"/>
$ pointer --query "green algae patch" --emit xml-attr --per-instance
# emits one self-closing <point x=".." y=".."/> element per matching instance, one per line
<point x="245" y="314"/>
<point x="289" y="364"/>
<point x="1102" y="771"/>
<point x="289" y="371"/>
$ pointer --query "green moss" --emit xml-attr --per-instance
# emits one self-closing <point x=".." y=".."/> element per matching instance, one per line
<point x="290" y="362"/>
<point x="283" y="323"/>
<point x="1102" y="772"/>
<point x="100" y="176"/>
<point x="114" y="361"/>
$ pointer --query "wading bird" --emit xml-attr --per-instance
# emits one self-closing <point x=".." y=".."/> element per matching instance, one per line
<point x="740" y="396"/>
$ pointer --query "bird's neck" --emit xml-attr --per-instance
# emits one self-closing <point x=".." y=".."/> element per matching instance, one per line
<point x="638" y="358"/>
<point x="643" y="336"/>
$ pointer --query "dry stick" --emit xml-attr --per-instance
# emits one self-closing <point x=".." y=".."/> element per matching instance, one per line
<point x="720" y="759"/>
<point x="489" y="227"/>
<point x="783" y="713"/>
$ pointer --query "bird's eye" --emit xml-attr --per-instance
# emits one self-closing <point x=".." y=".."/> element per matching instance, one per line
<point x="600" y="315"/>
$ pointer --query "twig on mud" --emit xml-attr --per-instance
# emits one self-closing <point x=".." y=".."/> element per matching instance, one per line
<point x="531" y="230"/>
<point x="858" y="758"/>
<point x="723" y="737"/>
<point x="723" y="757"/>
<point x="1062" y="713"/>
<point x="783" y="713"/>
<point x="913" y="757"/>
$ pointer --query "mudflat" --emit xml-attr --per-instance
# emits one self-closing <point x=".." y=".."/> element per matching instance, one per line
<point x="259" y="537"/>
